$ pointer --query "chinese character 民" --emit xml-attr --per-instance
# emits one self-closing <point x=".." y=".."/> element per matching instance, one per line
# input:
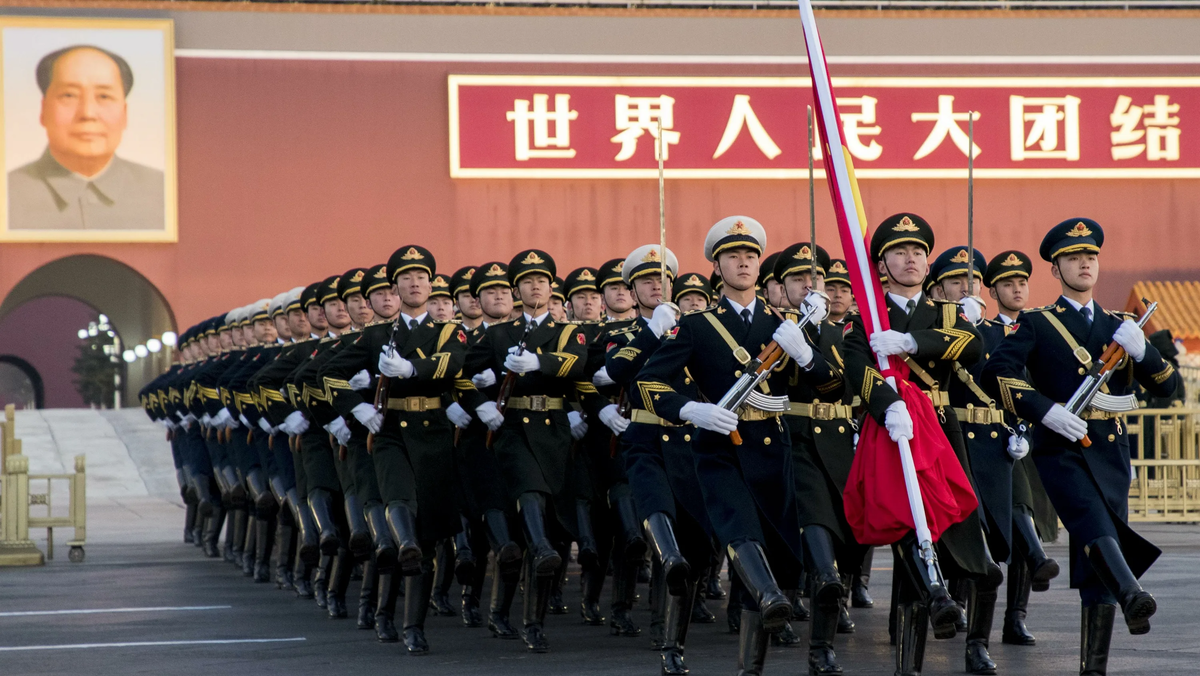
<point x="853" y="132"/>
<point x="742" y="115"/>
<point x="1161" y="132"/>
<point x="544" y="145"/>
<point x="946" y="123"/>
<point x="637" y="115"/>
<point x="1044" y="116"/>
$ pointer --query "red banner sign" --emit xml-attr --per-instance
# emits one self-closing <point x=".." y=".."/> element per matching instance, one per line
<point x="504" y="126"/>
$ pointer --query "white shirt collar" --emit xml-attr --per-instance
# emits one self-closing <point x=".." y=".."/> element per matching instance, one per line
<point x="738" y="308"/>
<point x="901" y="301"/>
<point x="1091" y="306"/>
<point x="539" y="319"/>
<point x="408" y="318"/>
<point x="1005" y="319"/>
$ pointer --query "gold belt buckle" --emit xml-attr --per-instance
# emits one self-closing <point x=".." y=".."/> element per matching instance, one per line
<point x="414" y="404"/>
<point x="1082" y="355"/>
<point x="822" y="411"/>
<point x="538" y="403"/>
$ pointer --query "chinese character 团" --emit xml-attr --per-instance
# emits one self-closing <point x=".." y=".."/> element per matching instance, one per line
<point x="637" y="115"/>
<point x="946" y="123"/>
<point x="1044" y="116"/>
<point x="742" y="115"/>
<point x="544" y="145"/>
<point x="1161" y="130"/>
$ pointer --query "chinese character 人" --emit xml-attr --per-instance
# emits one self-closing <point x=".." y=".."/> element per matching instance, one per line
<point x="1160" y="130"/>
<point x="637" y="115"/>
<point x="544" y="145"/>
<point x="742" y="115"/>
<point x="1044" y="115"/>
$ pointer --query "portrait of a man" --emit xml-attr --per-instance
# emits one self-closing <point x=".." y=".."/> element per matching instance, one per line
<point x="87" y="123"/>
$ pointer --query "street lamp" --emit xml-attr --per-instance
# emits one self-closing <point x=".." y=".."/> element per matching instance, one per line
<point x="154" y="345"/>
<point x="129" y="356"/>
<point x="141" y="351"/>
<point x="169" y="338"/>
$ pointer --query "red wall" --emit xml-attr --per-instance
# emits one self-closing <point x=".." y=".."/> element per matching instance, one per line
<point x="293" y="170"/>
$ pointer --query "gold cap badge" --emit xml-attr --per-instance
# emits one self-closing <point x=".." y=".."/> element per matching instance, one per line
<point x="495" y="271"/>
<point x="1011" y="260"/>
<point x="619" y="267"/>
<point x="804" y="254"/>
<point x="905" y="225"/>
<point x="440" y="282"/>
<point x="838" y="267"/>
<point x="469" y="273"/>
<point x="381" y="273"/>
<point x="412" y="255"/>
<point x="1080" y="230"/>
<point x="960" y="257"/>
<point x="358" y="276"/>
<point x="533" y="259"/>
<point x="693" y="281"/>
<point x="587" y="276"/>
<point x="739" y="228"/>
<point x="651" y="257"/>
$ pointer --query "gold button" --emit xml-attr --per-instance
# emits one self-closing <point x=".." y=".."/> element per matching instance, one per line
<point x="426" y="423"/>
<point x="687" y="381"/>
<point x="737" y="374"/>
<point x="547" y="421"/>
<point x="687" y="437"/>
<point x="970" y="435"/>
<point x="666" y="438"/>
<point x="1112" y="437"/>
<point x="841" y="428"/>
<point x="404" y="423"/>
<point x="932" y="364"/>
<point x="1081" y="370"/>
<point x="817" y="429"/>
<point x="525" y="420"/>
<point x="995" y="434"/>
<point x="767" y="441"/>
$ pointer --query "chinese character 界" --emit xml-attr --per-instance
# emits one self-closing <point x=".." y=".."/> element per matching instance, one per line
<point x="544" y="145"/>
<point x="637" y="115"/>
<point x="946" y="123"/>
<point x="1161" y="132"/>
<point x="742" y="115"/>
<point x="1044" y="115"/>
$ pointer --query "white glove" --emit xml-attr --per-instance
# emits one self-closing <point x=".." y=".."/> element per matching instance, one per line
<point x="1018" y="446"/>
<point x="662" y="320"/>
<point x="166" y="422"/>
<point x="601" y="378"/>
<point x="266" y="426"/>
<point x="791" y="338"/>
<point x="819" y="304"/>
<point x="368" y="416"/>
<point x="484" y="379"/>
<point x="295" y="424"/>
<point x="206" y="420"/>
<point x="709" y="416"/>
<point x="1059" y="419"/>
<point x="888" y="343"/>
<point x="897" y="421"/>
<point x="361" y="380"/>
<point x="611" y="417"/>
<point x="521" y="363"/>
<point x="489" y="414"/>
<point x="186" y="424"/>
<point x="242" y="419"/>
<point x="223" y="419"/>
<point x="339" y="429"/>
<point x="458" y="416"/>
<point x="392" y="365"/>
<point x="578" y="426"/>
<point x="972" y="308"/>
<point x="1129" y="336"/>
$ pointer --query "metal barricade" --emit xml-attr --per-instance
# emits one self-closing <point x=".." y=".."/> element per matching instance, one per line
<point x="1165" y="447"/>
<point x="76" y="516"/>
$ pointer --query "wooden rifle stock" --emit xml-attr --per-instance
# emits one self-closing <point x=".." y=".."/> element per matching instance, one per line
<point x="506" y="388"/>
<point x="1111" y="357"/>
<point x="381" y="401"/>
<point x="623" y="409"/>
<point x="769" y="357"/>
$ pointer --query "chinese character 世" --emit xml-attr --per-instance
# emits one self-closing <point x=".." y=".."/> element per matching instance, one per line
<point x="544" y="145"/>
<point x="637" y="115"/>
<point x="1161" y="132"/>
<point x="946" y="123"/>
<point x="742" y="115"/>
<point x="1045" y="114"/>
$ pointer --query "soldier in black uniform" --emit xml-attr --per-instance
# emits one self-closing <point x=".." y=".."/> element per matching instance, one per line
<point x="822" y="433"/>
<point x="532" y="434"/>
<point x="748" y="488"/>
<point x="1040" y="363"/>
<point x="930" y="336"/>
<point x="770" y="287"/>
<point x="1029" y="569"/>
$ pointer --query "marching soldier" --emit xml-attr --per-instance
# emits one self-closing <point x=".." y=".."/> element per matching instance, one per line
<point x="541" y="360"/>
<point x="930" y="336"/>
<point x="691" y="292"/>
<point x="748" y="488"/>
<point x="771" y="287"/>
<point x="1029" y="569"/>
<point x="1034" y="368"/>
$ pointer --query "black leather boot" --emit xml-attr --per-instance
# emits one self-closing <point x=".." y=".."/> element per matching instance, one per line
<point x="1095" y="638"/>
<point x="588" y="556"/>
<point x="361" y="542"/>
<point x="235" y="535"/>
<point x="752" y="645"/>
<point x="556" y="605"/>
<point x="859" y="597"/>
<point x="189" y="521"/>
<point x="416" y="606"/>
<point x="212" y="531"/>
<point x="733" y="609"/>
<point x="504" y="589"/>
<point x="845" y="623"/>
<point x="385" y="606"/>
<point x="823" y="629"/>
<point x="402" y="524"/>
<point x="700" y="612"/>
<point x="544" y="556"/>
<point x="943" y="611"/>
<point x="1028" y="546"/>
<point x="285" y="534"/>
<point x="366" y="595"/>
<point x="799" y="610"/>
<point x="825" y="586"/>
<point x="712" y="586"/>
<point x="381" y="535"/>
<point x="786" y="637"/>
<point x="262" y="550"/>
<point x="249" y="546"/>
<point x="302" y="579"/>
<point x="321" y="581"/>
<point x="912" y="622"/>
<point x="339" y="582"/>
<point x="630" y="537"/>
<point x="1019" y="584"/>
<point x="624" y="585"/>
<point x="464" y="558"/>
<point x="675" y="568"/>
<point x="982" y="605"/>
<point x="320" y="503"/>
<point x="1109" y="563"/>
<point x="658" y="607"/>
<point x="590" y="583"/>
<point x="507" y="551"/>
<point x="675" y="627"/>
<point x="774" y="608"/>
<point x="307" y="537"/>
<point x="533" y="616"/>
<point x="471" y="617"/>
<point x="439" y="601"/>
<point x="959" y="591"/>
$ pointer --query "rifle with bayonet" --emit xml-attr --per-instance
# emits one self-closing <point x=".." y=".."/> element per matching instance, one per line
<point x="510" y="378"/>
<point x="1088" y="393"/>
<point x="382" y="385"/>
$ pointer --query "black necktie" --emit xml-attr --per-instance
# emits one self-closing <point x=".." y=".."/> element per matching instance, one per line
<point x="1087" y="315"/>
<point x="746" y="318"/>
<point x="910" y="306"/>
<point x="412" y="323"/>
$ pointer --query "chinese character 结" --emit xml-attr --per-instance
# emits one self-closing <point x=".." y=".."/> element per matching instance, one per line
<point x="543" y="144"/>
<point x="637" y="115"/>
<point x="1161" y="131"/>
<point x="1043" y="127"/>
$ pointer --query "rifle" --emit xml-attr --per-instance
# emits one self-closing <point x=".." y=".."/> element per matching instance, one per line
<point x="382" y="385"/>
<point x="1089" y="392"/>
<point x="623" y="407"/>
<point x="971" y="203"/>
<point x="510" y="378"/>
